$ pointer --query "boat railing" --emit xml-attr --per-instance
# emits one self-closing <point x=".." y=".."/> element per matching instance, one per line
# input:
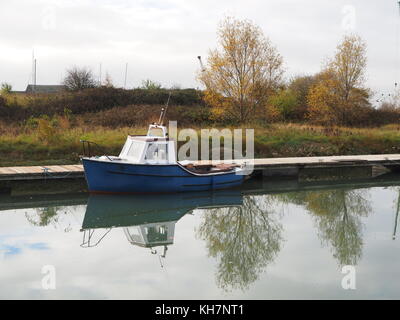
<point x="88" y="146"/>
<point x="88" y="242"/>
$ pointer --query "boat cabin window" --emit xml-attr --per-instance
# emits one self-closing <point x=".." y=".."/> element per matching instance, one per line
<point x="157" y="152"/>
<point x="134" y="235"/>
<point x="135" y="150"/>
<point x="156" y="132"/>
<point x="158" y="233"/>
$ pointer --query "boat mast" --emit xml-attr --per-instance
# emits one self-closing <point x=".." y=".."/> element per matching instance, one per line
<point x="397" y="52"/>
<point x="164" y="111"/>
<point x="396" y="218"/>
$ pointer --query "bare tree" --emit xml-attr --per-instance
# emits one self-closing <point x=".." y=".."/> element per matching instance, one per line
<point x="5" y="88"/>
<point x="339" y="97"/>
<point x="243" y="72"/>
<point x="151" y="85"/>
<point x="79" y="79"/>
<point x="108" y="82"/>
<point x="349" y="65"/>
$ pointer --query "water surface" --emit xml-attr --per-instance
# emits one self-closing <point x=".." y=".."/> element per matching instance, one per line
<point x="267" y="240"/>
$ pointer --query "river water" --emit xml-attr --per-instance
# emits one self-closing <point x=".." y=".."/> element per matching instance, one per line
<point x="267" y="240"/>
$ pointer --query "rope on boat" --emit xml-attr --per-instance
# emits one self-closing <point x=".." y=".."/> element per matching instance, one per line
<point x="48" y="175"/>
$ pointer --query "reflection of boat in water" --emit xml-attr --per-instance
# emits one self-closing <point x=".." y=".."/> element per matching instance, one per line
<point x="147" y="221"/>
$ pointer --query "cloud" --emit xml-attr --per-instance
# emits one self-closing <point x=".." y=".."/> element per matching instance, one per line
<point x="160" y="40"/>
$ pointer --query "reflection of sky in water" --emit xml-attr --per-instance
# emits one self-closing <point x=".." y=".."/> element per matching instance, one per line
<point x="10" y="250"/>
<point x="301" y="250"/>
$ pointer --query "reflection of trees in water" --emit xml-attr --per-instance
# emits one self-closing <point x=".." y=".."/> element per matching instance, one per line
<point x="42" y="217"/>
<point x="244" y="239"/>
<point x="337" y="214"/>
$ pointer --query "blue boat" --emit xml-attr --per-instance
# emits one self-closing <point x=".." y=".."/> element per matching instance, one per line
<point x="147" y="164"/>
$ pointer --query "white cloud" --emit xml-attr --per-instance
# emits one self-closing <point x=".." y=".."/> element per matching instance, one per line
<point x="161" y="39"/>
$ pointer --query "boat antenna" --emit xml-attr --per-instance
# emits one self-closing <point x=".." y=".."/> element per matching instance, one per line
<point x="164" y="111"/>
<point x="396" y="218"/>
<point x="396" y="72"/>
<point x="201" y="64"/>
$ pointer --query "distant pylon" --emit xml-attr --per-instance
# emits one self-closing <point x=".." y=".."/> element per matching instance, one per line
<point x="126" y="73"/>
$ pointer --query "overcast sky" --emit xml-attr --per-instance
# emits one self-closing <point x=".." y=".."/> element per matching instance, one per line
<point x="160" y="40"/>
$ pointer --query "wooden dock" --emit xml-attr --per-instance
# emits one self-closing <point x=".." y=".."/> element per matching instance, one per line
<point x="267" y="166"/>
<point x="297" y="165"/>
<point x="324" y="161"/>
<point x="41" y="172"/>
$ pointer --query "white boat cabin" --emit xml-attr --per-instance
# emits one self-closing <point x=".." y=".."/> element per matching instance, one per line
<point x="152" y="234"/>
<point x="155" y="147"/>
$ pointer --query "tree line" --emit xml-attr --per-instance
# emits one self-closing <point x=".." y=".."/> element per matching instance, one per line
<point x="243" y="81"/>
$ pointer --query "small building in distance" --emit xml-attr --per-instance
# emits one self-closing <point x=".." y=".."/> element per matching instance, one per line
<point x="37" y="88"/>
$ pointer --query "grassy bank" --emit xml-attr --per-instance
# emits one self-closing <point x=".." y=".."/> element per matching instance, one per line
<point x="46" y="145"/>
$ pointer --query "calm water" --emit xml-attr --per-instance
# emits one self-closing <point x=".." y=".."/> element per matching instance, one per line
<point x="253" y="243"/>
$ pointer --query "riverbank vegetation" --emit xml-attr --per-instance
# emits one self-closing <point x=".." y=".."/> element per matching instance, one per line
<point x="57" y="140"/>
<point x="47" y="129"/>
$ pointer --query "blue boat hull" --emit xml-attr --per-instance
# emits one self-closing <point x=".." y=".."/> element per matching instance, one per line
<point x="109" y="177"/>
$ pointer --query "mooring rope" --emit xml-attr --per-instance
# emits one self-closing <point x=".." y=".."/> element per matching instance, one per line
<point x="48" y="174"/>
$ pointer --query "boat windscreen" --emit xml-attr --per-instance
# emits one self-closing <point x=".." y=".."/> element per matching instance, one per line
<point x="157" y="151"/>
<point x="135" y="150"/>
<point x="155" y="132"/>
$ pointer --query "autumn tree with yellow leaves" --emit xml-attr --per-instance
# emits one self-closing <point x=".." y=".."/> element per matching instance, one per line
<point x="339" y="96"/>
<point x="242" y="73"/>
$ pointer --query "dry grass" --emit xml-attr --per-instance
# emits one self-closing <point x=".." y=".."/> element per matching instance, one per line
<point x="59" y="142"/>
